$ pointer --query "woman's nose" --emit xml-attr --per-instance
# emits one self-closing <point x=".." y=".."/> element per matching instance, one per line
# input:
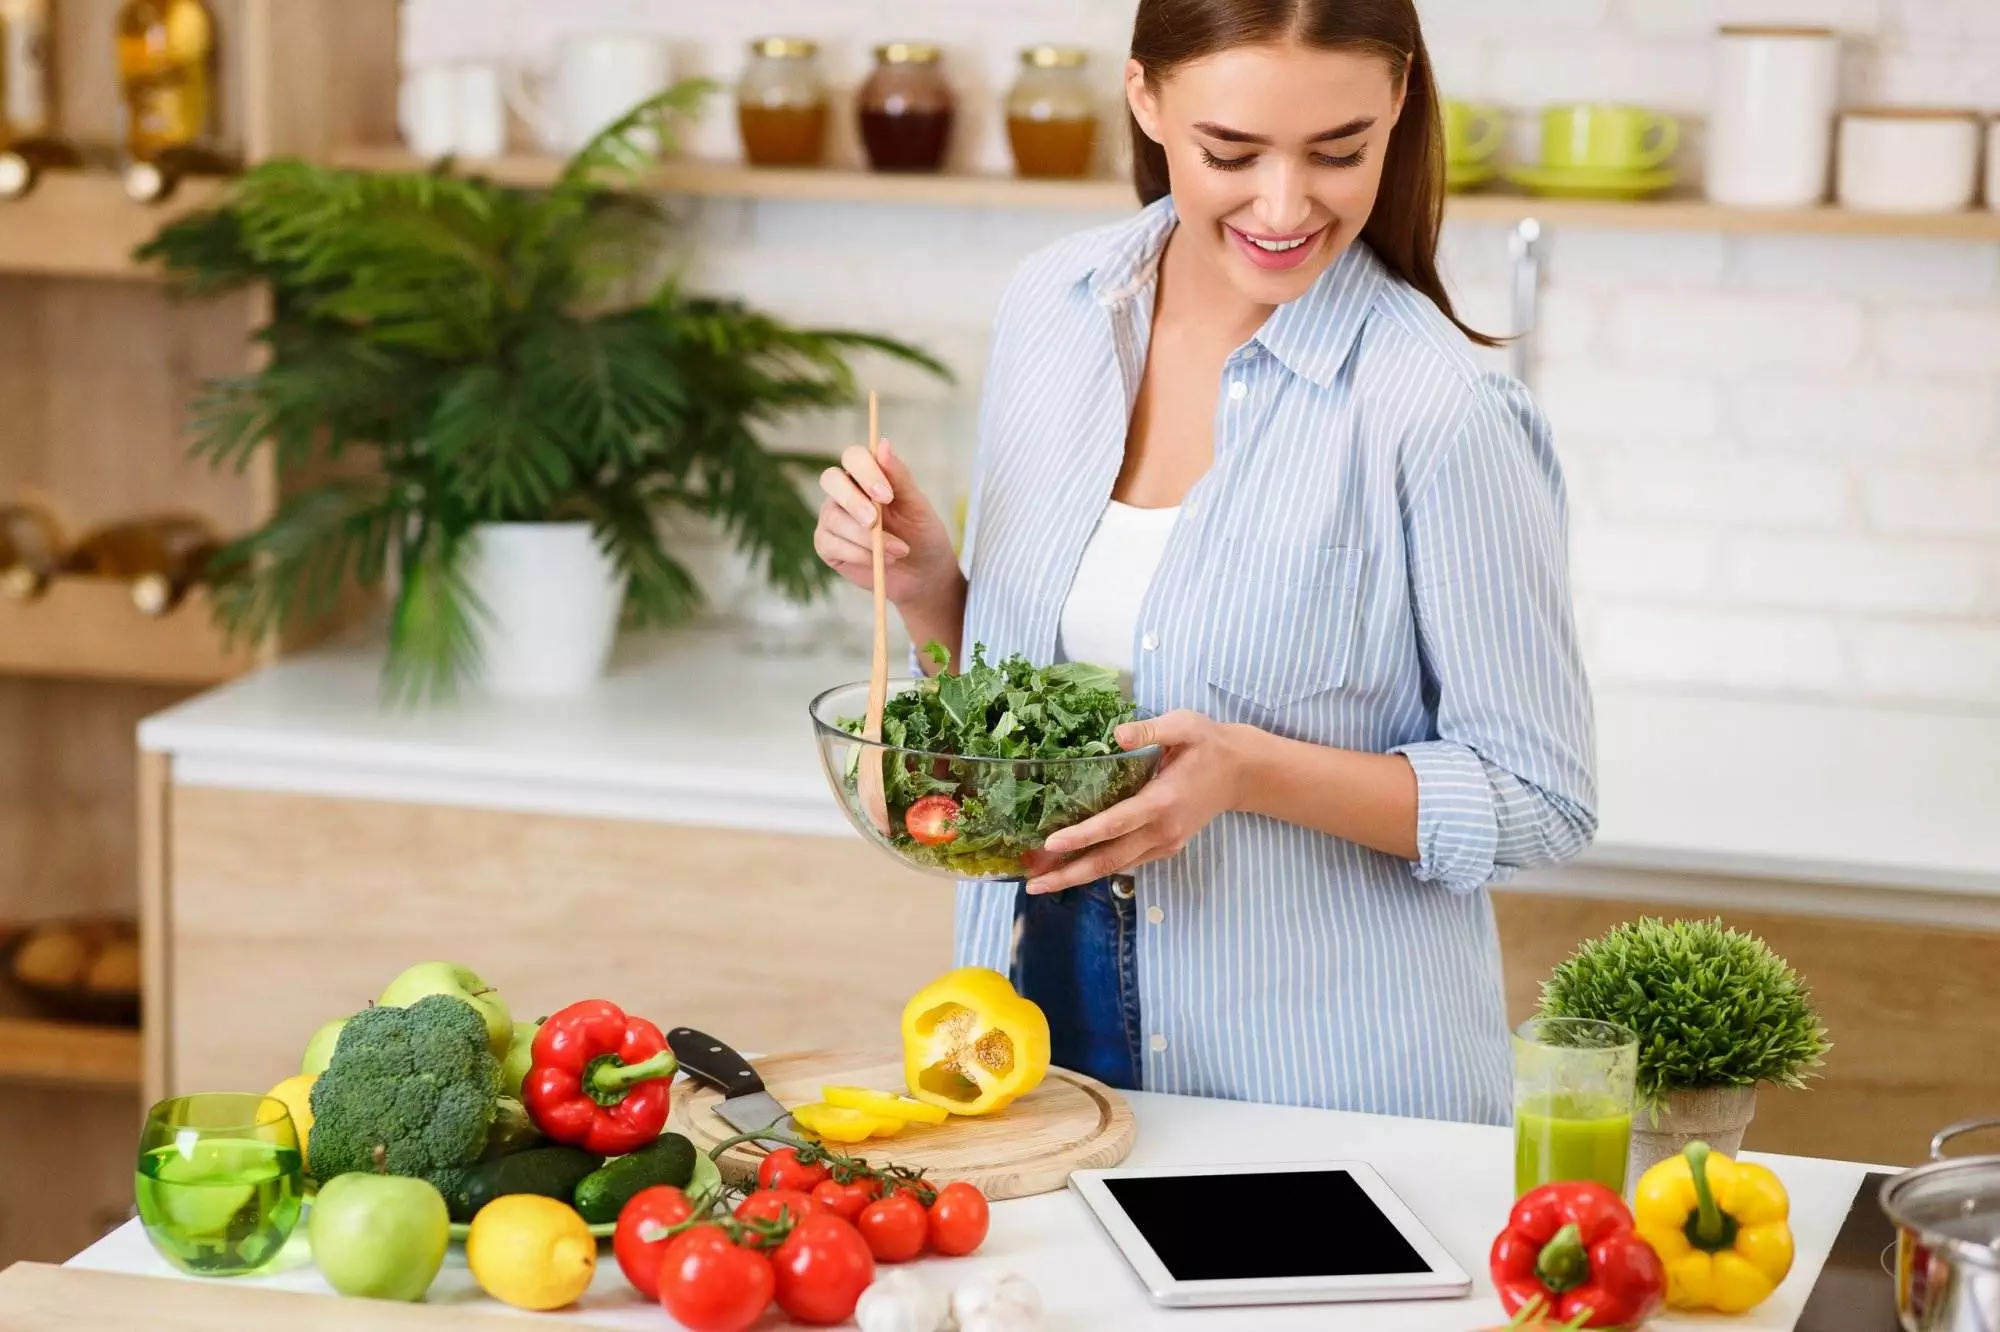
<point x="1282" y="206"/>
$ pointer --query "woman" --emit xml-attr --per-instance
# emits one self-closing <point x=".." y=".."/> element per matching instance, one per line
<point x="1240" y="447"/>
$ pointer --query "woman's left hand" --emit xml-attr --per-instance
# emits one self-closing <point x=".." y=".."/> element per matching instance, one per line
<point x="1200" y="776"/>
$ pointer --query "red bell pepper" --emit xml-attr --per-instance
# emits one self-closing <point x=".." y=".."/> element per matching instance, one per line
<point x="598" y="1079"/>
<point x="1572" y="1248"/>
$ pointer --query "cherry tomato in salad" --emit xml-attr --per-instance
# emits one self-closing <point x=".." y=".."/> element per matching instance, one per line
<point x="933" y="820"/>
<point x="958" y="1220"/>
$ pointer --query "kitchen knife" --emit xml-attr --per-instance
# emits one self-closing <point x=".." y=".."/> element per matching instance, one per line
<point x="745" y="1105"/>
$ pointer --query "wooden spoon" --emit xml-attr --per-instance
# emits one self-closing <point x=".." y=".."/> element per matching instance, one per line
<point x="874" y="796"/>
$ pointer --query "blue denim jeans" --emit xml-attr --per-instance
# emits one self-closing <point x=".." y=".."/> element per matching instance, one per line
<point x="1078" y="960"/>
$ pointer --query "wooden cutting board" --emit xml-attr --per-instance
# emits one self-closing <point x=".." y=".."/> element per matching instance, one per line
<point x="1070" y="1122"/>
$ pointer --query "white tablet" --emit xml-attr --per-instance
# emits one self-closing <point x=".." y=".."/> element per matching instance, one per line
<point x="1232" y="1234"/>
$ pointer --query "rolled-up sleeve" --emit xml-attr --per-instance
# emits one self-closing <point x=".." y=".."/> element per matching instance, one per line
<point x="1508" y="781"/>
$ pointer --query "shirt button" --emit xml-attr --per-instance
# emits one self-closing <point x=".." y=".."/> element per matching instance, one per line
<point x="1151" y="642"/>
<point x="1159" y="1043"/>
<point x="1154" y="915"/>
<point x="1238" y="391"/>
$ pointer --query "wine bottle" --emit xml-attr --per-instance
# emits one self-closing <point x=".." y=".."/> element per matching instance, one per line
<point x="159" y="558"/>
<point x="27" y="97"/>
<point x="166" y="65"/>
<point x="29" y="546"/>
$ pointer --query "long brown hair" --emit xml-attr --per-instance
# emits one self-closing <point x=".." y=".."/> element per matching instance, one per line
<point x="1409" y="210"/>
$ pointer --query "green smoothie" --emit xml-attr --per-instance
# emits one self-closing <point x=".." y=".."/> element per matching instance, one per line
<point x="1570" y="1137"/>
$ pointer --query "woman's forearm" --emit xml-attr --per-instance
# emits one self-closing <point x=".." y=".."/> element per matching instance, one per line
<point x="1368" y="799"/>
<point x="938" y="620"/>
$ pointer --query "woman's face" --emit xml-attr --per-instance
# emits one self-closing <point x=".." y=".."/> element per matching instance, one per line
<point x="1276" y="153"/>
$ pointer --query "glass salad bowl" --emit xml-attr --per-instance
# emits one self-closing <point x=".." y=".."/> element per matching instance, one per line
<point x="968" y="816"/>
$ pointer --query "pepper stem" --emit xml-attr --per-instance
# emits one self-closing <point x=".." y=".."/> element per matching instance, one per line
<point x="610" y="1078"/>
<point x="1564" y="1264"/>
<point x="1710" y="1229"/>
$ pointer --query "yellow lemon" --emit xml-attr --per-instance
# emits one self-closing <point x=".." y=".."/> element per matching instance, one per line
<point x="531" y="1252"/>
<point x="296" y="1093"/>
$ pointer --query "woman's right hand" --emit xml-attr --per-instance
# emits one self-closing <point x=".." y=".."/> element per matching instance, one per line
<point x="918" y="562"/>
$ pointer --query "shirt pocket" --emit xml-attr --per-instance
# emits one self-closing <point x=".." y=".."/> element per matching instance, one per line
<point x="1285" y="621"/>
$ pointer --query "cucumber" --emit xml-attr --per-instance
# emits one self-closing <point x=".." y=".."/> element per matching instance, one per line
<point x="602" y="1195"/>
<point x="552" y="1172"/>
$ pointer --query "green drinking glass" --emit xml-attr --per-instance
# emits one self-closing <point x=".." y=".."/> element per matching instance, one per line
<point x="1573" y="1088"/>
<point x="220" y="1181"/>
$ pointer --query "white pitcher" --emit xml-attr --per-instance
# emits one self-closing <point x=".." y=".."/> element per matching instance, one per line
<point x="597" y="78"/>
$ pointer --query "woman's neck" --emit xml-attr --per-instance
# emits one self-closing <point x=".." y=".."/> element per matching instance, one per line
<point x="1190" y="282"/>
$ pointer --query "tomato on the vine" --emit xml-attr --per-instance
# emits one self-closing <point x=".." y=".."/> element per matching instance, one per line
<point x="708" y="1284"/>
<point x="821" y="1269"/>
<point x="894" y="1227"/>
<point x="771" y="1204"/>
<point x="958" y="1220"/>
<point x="782" y="1169"/>
<point x="650" y="1213"/>
<point x="846" y="1200"/>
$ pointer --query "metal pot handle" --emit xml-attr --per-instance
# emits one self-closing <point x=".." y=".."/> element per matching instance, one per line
<point x="1962" y="1127"/>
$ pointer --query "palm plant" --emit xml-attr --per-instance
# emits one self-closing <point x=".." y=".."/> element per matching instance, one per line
<point x="467" y="342"/>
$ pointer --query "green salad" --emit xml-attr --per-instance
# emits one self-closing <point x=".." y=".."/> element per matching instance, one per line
<point x="980" y="818"/>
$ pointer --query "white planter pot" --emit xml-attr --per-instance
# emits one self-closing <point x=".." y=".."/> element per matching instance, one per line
<point x="552" y="600"/>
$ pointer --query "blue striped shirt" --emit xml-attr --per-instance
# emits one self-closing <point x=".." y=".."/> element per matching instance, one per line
<point x="1377" y="561"/>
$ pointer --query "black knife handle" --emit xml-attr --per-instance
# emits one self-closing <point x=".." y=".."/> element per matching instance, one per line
<point x="704" y="1057"/>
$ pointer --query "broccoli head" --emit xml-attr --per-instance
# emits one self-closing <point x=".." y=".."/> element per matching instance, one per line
<point x="420" y="1082"/>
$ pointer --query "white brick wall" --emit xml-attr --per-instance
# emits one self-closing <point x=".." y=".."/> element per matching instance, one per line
<point x="1783" y="451"/>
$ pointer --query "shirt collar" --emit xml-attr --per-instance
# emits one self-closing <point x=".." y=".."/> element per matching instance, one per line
<point x="1311" y="336"/>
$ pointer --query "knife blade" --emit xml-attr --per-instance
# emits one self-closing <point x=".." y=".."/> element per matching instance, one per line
<point x="746" y="1105"/>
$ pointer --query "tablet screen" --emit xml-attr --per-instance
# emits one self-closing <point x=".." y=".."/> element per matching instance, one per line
<point x="1313" y="1223"/>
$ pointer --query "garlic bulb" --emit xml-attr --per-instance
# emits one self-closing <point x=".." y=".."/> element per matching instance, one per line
<point x="996" y="1293"/>
<point x="901" y="1301"/>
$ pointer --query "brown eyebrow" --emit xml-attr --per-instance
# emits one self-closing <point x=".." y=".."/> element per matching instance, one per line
<point x="1227" y="135"/>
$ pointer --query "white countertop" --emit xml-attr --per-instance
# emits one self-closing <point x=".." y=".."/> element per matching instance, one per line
<point x="691" y="729"/>
<point x="1457" y="1178"/>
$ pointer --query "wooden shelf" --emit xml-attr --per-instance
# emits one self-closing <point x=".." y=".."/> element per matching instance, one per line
<point x="731" y="180"/>
<point x="72" y="1053"/>
<point x="88" y="628"/>
<point x="81" y="224"/>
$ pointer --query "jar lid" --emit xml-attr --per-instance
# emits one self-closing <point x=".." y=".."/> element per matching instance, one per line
<point x="1055" y="57"/>
<point x="908" y="53"/>
<point x="1775" y="30"/>
<point x="785" y="48"/>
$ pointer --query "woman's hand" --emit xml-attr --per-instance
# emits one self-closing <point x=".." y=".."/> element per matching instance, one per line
<point x="1201" y="776"/>
<point x="918" y="563"/>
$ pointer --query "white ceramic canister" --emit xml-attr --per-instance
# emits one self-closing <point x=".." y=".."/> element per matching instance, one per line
<point x="1908" y="159"/>
<point x="1770" y="127"/>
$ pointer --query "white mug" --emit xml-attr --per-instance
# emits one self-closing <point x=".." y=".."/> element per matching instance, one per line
<point x="451" y="109"/>
<point x="1770" y="128"/>
<point x="1908" y="160"/>
<point x="596" y="79"/>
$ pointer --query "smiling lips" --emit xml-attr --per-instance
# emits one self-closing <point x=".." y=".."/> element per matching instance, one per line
<point x="1275" y="253"/>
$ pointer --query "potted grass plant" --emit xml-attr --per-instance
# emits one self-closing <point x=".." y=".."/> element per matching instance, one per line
<point x="495" y="428"/>
<point x="1717" y="1014"/>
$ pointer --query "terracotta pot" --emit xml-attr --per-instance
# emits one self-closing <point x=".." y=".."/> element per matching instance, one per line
<point x="1714" y="1115"/>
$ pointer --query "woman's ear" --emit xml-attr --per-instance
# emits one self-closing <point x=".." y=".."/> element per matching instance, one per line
<point x="1144" y="102"/>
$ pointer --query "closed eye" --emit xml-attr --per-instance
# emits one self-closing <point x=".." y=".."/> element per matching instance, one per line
<point x="1227" y="163"/>
<point x="1353" y="159"/>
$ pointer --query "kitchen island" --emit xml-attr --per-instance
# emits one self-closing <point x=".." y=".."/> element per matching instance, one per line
<point x="1457" y="1178"/>
<point x="670" y="836"/>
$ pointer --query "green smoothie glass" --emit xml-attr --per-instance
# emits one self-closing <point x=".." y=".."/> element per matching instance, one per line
<point x="1573" y="1088"/>
<point x="220" y="1181"/>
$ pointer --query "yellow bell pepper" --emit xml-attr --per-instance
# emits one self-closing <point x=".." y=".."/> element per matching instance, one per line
<point x="1721" y="1227"/>
<point x="971" y="1044"/>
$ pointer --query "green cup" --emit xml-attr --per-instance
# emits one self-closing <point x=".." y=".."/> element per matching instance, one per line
<point x="1472" y="133"/>
<point x="1606" y="137"/>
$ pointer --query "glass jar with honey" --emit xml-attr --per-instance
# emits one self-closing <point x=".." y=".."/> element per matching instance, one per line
<point x="907" y="109"/>
<point x="781" y="104"/>
<point x="1052" y="114"/>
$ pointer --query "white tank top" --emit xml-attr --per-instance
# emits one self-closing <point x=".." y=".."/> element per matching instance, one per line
<point x="1101" y="616"/>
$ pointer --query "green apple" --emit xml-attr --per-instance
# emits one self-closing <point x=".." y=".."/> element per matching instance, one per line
<point x="319" y="1050"/>
<point x="520" y="1058"/>
<point x="428" y="978"/>
<point x="379" y="1236"/>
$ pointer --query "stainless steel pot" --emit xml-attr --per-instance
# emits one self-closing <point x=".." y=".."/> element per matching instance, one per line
<point x="1947" y="1218"/>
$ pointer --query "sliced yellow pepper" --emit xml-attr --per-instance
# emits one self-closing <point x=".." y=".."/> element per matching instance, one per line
<point x="832" y="1123"/>
<point x="971" y="1045"/>
<point x="884" y="1105"/>
<point x="1721" y="1227"/>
